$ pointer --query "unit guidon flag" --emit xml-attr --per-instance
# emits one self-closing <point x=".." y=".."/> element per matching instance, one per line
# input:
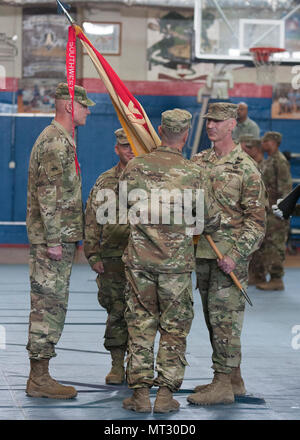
<point x="133" y="118"/>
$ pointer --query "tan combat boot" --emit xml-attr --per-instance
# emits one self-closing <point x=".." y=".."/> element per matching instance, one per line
<point x="139" y="401"/>
<point x="41" y="384"/>
<point x="164" y="401"/>
<point x="201" y="388"/>
<point x="238" y="386"/>
<point x="116" y="375"/>
<point x="218" y="392"/>
<point x="237" y="383"/>
<point x="273" y="284"/>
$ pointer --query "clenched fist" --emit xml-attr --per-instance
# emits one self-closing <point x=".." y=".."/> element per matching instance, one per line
<point x="98" y="267"/>
<point x="226" y="264"/>
<point x="55" y="253"/>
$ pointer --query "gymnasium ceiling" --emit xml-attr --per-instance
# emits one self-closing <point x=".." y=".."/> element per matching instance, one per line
<point x="165" y="3"/>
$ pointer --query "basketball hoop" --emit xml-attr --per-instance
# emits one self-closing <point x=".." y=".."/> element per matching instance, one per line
<point x="265" y="64"/>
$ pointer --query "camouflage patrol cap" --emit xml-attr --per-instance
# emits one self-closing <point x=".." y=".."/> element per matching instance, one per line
<point x="220" y="111"/>
<point x="62" y="92"/>
<point x="121" y="136"/>
<point x="272" y="136"/>
<point x="246" y="138"/>
<point x="250" y="141"/>
<point x="176" y="120"/>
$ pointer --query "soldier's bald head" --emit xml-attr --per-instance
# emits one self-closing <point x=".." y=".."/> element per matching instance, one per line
<point x="242" y="111"/>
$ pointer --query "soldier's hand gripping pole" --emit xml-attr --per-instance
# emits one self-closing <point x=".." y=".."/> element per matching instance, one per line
<point x="232" y="275"/>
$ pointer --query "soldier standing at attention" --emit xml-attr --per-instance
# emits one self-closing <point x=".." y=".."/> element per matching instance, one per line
<point x="54" y="226"/>
<point x="158" y="261"/>
<point x="245" y="125"/>
<point x="256" y="272"/>
<point x="278" y="181"/>
<point x="240" y="196"/>
<point x="104" y="246"/>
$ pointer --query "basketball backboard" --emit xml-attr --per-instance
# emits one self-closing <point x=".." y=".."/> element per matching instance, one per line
<point x="225" y="30"/>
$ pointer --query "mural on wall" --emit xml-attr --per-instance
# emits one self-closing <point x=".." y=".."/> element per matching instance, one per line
<point x="292" y="32"/>
<point x="37" y="95"/>
<point x="45" y="35"/>
<point x="169" y="49"/>
<point x="44" y="44"/>
<point x="286" y="102"/>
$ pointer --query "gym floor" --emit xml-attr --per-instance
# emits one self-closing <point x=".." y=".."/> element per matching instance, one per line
<point x="270" y="365"/>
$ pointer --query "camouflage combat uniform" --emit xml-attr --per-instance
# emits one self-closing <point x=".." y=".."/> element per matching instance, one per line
<point x="278" y="181"/>
<point x="54" y="218"/>
<point x="256" y="271"/>
<point x="158" y="262"/>
<point x="240" y="197"/>
<point x="107" y="243"/>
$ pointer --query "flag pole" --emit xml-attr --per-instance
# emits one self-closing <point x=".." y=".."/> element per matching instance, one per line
<point x="63" y="9"/>
<point x="231" y="274"/>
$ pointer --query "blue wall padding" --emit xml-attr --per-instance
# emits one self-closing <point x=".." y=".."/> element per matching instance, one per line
<point x="96" y="147"/>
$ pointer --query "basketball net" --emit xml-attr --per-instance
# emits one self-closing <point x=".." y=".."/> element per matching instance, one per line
<point x="265" y="63"/>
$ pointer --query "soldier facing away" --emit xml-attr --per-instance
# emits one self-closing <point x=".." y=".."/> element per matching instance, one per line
<point x="104" y="246"/>
<point x="240" y="197"/>
<point x="278" y="181"/>
<point x="54" y="226"/>
<point x="158" y="263"/>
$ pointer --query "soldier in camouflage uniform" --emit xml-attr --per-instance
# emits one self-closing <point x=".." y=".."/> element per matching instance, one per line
<point x="54" y="226"/>
<point x="240" y="196"/>
<point x="253" y="147"/>
<point x="158" y="263"/>
<point x="278" y="181"/>
<point x="104" y="246"/>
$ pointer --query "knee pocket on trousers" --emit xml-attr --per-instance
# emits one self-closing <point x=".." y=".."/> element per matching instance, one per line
<point x="103" y="298"/>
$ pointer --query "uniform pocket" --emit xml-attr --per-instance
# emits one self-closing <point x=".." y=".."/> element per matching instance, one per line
<point x="104" y="297"/>
<point x="227" y="188"/>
